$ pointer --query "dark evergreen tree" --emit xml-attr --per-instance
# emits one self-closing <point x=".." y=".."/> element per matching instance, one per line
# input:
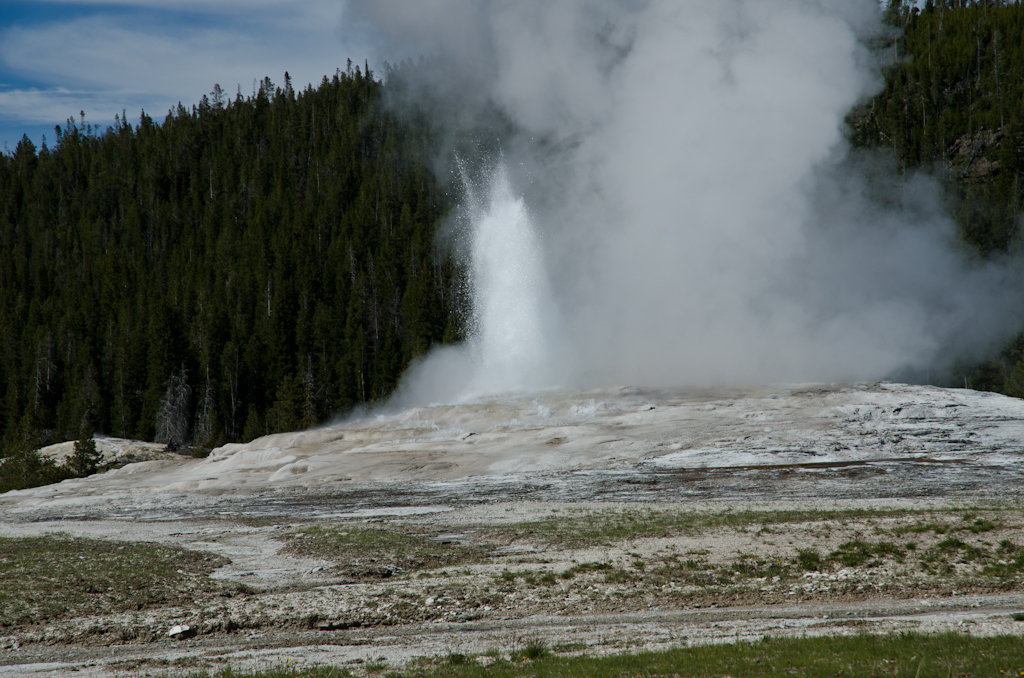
<point x="86" y="458"/>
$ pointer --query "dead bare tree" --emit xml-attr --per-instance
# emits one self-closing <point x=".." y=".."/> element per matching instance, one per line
<point x="204" y="415"/>
<point x="172" y="420"/>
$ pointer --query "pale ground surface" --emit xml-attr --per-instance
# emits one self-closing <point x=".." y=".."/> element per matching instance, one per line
<point x="467" y="474"/>
<point x="113" y="451"/>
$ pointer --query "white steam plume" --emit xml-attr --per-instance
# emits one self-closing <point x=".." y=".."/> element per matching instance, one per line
<point x="702" y="217"/>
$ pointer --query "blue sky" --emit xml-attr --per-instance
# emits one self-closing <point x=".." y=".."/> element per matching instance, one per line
<point x="60" y="57"/>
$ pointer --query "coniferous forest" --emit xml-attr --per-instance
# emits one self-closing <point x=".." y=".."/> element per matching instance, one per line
<point x="247" y="266"/>
<point x="259" y="264"/>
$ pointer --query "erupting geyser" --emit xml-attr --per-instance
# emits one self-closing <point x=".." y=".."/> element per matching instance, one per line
<point x="511" y="301"/>
<point x="704" y="218"/>
<point x="514" y="325"/>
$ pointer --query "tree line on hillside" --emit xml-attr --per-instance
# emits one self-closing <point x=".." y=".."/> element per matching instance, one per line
<point x="954" y="103"/>
<point x="251" y="265"/>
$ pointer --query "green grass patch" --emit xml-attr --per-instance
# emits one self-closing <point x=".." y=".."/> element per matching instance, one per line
<point x="920" y="527"/>
<point x="981" y="525"/>
<point x="907" y="654"/>
<point x="856" y="553"/>
<point x="373" y="554"/>
<point x="507" y="578"/>
<point x="808" y="560"/>
<point x="54" y="577"/>
<point x="969" y="523"/>
<point x="953" y="547"/>
<point x="1010" y="561"/>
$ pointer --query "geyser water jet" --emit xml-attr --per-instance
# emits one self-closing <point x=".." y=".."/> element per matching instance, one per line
<point x="512" y="333"/>
<point x="511" y="301"/>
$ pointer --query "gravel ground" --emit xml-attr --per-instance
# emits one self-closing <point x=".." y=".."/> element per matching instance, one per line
<point x="595" y="522"/>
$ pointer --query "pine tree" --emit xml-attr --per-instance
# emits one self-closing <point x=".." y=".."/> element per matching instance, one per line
<point x="86" y="458"/>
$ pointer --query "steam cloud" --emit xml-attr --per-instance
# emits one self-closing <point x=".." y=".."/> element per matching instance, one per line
<point x="699" y="214"/>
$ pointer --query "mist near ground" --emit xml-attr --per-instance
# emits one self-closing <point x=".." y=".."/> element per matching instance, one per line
<point x="698" y="213"/>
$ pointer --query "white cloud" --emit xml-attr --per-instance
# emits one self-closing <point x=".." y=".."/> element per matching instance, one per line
<point x="109" y="61"/>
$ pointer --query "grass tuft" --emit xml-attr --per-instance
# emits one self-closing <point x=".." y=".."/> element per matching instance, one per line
<point x="808" y="559"/>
